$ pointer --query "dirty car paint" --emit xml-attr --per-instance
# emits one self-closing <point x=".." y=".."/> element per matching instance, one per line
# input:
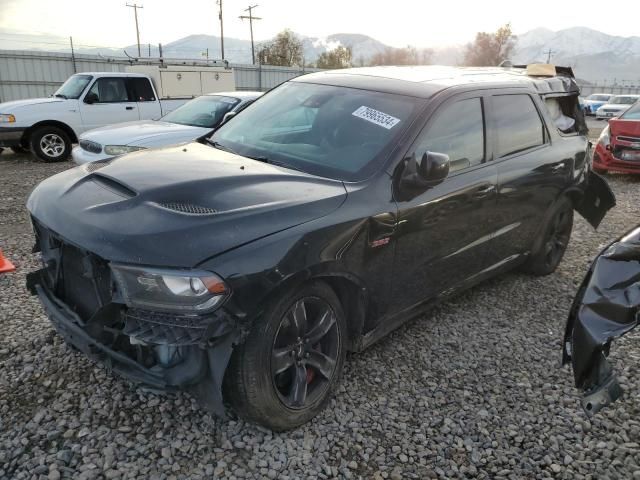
<point x="605" y="308"/>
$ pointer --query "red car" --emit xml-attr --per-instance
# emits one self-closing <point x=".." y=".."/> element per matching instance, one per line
<point x="618" y="148"/>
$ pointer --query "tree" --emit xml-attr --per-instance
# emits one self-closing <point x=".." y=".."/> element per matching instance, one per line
<point x="285" y="50"/>
<point x="490" y="49"/>
<point x="402" y="56"/>
<point x="339" y="57"/>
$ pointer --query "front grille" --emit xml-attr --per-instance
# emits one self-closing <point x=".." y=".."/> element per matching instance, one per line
<point x="188" y="208"/>
<point x="80" y="279"/>
<point x="163" y="328"/>
<point x="90" y="146"/>
<point x="624" y="138"/>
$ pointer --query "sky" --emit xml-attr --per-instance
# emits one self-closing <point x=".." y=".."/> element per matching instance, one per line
<point x="419" y="23"/>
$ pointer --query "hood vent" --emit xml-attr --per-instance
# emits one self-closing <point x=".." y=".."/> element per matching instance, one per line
<point x="97" y="165"/>
<point x="188" y="208"/>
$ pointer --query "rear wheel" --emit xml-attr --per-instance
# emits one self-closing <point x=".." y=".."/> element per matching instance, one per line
<point x="50" y="144"/>
<point x="284" y="373"/>
<point x="556" y="235"/>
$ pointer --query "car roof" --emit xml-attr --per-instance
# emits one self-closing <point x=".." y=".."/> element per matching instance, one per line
<point x="632" y="95"/>
<point x="425" y="81"/>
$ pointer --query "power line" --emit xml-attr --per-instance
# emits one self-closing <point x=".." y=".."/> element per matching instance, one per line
<point x="135" y="7"/>
<point x="251" y="19"/>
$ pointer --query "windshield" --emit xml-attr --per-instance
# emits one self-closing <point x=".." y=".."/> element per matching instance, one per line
<point x="599" y="98"/>
<point x="623" y="100"/>
<point x="206" y="111"/>
<point x="324" y="130"/>
<point x="633" y="113"/>
<point x="73" y="87"/>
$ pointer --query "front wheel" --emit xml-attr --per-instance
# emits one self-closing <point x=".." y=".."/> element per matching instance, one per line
<point x="284" y="373"/>
<point x="556" y="235"/>
<point x="50" y="144"/>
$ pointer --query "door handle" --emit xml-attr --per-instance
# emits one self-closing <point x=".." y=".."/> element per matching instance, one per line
<point x="129" y="108"/>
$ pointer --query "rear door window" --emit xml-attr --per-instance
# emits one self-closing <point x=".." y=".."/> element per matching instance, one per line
<point x="517" y="123"/>
<point x="457" y="129"/>
<point x="141" y="90"/>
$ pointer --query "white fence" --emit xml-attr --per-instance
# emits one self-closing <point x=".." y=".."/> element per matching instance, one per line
<point x="29" y="74"/>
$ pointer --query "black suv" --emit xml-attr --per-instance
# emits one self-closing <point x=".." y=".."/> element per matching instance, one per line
<point x="243" y="267"/>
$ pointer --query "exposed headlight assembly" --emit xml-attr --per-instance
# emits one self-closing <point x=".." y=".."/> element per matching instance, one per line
<point x="120" y="149"/>
<point x="7" y="118"/>
<point x="604" y="137"/>
<point x="180" y="291"/>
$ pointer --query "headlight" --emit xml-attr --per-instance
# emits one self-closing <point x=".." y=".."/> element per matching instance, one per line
<point x="604" y="138"/>
<point x="120" y="149"/>
<point x="181" y="291"/>
<point x="7" y="118"/>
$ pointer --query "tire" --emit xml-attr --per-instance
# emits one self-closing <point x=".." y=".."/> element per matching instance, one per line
<point x="556" y="235"/>
<point x="277" y="377"/>
<point x="50" y="144"/>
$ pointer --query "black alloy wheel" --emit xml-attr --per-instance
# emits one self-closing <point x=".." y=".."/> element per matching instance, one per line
<point x="556" y="235"/>
<point x="285" y="371"/>
<point x="305" y="352"/>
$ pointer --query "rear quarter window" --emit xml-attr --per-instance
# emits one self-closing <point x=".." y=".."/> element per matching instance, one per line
<point x="517" y="123"/>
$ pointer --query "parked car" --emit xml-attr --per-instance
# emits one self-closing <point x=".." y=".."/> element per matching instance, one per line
<point x="594" y="101"/>
<point x="336" y="207"/>
<point x="617" y="105"/>
<point x="605" y="308"/>
<point x="49" y="126"/>
<point x="618" y="148"/>
<point x="185" y="124"/>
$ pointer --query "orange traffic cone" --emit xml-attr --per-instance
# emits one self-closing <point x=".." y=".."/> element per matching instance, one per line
<point x="5" y="265"/>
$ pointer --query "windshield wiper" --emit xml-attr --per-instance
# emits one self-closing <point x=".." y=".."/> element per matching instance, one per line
<point x="219" y="146"/>
<point x="263" y="159"/>
<point x="61" y="96"/>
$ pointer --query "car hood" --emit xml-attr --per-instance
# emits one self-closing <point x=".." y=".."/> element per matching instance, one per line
<point x="144" y="132"/>
<point x="177" y="207"/>
<point x="626" y="128"/>
<point x="616" y="106"/>
<point x="10" y="107"/>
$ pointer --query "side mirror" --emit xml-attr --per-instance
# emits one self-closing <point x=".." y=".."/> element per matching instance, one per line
<point x="91" y="98"/>
<point x="431" y="171"/>
<point x="228" y="116"/>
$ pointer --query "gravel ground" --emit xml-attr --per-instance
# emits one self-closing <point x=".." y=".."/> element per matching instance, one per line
<point x="474" y="389"/>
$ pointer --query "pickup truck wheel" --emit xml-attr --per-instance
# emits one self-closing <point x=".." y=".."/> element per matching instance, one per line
<point x="556" y="235"/>
<point x="284" y="373"/>
<point x="50" y="144"/>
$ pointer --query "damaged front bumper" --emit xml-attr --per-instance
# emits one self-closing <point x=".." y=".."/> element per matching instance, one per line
<point x="606" y="307"/>
<point x="163" y="352"/>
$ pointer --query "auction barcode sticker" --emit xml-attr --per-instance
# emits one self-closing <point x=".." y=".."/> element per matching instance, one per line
<point x="375" y="116"/>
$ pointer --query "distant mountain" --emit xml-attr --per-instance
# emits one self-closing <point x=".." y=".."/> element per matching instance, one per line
<point x="594" y="56"/>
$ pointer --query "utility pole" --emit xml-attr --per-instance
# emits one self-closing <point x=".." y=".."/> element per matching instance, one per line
<point x="251" y="19"/>
<point x="219" y="2"/>
<point x="135" y="7"/>
<point x="73" y="56"/>
<point x="549" y="53"/>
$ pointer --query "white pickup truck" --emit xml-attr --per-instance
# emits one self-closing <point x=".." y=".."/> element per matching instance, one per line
<point x="49" y="126"/>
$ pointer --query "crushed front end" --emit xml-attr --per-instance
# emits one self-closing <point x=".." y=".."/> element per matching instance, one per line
<point x="98" y="311"/>
<point x="606" y="307"/>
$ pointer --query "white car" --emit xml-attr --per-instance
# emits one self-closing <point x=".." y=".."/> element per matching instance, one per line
<point x="616" y="106"/>
<point x="594" y="101"/>
<point x="185" y="124"/>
